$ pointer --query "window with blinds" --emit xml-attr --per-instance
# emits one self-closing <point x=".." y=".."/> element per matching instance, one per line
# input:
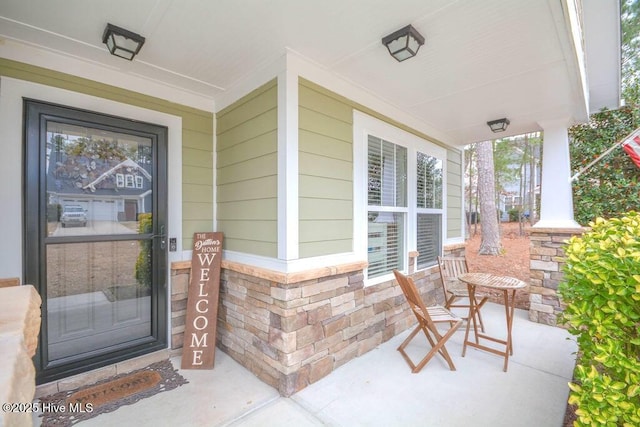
<point x="387" y="173"/>
<point x="429" y="181"/>
<point x="429" y="209"/>
<point x="385" y="243"/>
<point x="387" y="200"/>
<point x="429" y="239"/>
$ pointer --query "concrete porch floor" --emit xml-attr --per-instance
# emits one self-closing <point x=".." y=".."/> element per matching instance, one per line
<point x="378" y="388"/>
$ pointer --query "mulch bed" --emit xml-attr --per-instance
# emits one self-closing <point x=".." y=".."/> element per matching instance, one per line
<point x="570" y="416"/>
<point x="514" y="260"/>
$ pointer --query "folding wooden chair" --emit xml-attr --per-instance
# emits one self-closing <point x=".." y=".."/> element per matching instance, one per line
<point x="454" y="289"/>
<point x="428" y="318"/>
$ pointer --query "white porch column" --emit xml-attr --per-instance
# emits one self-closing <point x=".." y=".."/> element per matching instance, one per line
<point x="556" y="199"/>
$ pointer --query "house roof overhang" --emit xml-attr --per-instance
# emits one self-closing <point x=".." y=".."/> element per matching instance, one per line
<point x="528" y="61"/>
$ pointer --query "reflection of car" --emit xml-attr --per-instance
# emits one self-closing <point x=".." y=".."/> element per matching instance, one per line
<point x="73" y="214"/>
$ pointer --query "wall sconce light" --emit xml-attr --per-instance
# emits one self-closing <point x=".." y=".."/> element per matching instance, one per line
<point x="404" y="43"/>
<point x="121" y="42"/>
<point x="499" y="125"/>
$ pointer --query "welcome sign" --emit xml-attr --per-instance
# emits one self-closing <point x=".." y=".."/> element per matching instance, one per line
<point x="198" y="349"/>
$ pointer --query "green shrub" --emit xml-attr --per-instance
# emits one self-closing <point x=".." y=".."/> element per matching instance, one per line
<point x="514" y="215"/>
<point x="601" y="288"/>
<point x="143" y="263"/>
<point x="53" y="212"/>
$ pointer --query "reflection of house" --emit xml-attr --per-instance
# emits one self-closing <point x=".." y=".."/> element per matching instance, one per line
<point x="109" y="190"/>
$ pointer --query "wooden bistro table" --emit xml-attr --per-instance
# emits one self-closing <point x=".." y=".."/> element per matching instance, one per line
<point x="509" y="286"/>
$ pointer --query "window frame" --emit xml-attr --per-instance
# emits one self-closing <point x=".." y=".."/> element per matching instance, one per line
<point x="363" y="126"/>
<point x="393" y="205"/>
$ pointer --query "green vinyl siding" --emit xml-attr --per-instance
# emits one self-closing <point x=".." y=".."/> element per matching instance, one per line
<point x="197" y="157"/>
<point x="198" y="194"/>
<point x="325" y="170"/>
<point x="250" y="169"/>
<point x="247" y="171"/>
<point x="197" y="136"/>
<point x="250" y="189"/>
<point x="454" y="193"/>
<point x="327" y="246"/>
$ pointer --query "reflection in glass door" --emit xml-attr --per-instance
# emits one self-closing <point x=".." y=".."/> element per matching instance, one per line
<point x="96" y="243"/>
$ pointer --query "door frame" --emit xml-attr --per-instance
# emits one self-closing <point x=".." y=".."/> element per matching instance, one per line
<point x="37" y="114"/>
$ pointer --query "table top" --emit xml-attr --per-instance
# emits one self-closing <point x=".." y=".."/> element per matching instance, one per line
<point x="492" y="281"/>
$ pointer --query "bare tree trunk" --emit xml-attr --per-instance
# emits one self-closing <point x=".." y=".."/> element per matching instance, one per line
<point x="490" y="239"/>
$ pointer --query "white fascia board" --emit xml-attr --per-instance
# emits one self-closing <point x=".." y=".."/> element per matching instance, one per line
<point x="39" y="57"/>
<point x="602" y="35"/>
<point x="570" y="35"/>
<point x="577" y="36"/>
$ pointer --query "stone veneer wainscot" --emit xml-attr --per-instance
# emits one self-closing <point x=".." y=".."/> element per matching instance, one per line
<point x="547" y="260"/>
<point x="294" y="329"/>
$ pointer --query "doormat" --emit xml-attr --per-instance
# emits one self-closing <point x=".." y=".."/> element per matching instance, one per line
<point x="67" y="408"/>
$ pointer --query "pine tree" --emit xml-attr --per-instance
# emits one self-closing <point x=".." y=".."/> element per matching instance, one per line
<point x="490" y="238"/>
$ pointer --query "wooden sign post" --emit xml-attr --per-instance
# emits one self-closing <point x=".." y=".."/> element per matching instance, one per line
<point x="198" y="349"/>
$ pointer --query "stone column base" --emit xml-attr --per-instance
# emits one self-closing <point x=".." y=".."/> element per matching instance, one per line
<point x="547" y="262"/>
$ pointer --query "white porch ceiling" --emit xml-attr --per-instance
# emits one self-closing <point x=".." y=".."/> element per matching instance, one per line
<point x="482" y="60"/>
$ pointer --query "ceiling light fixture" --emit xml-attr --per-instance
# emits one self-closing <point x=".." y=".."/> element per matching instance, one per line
<point x="499" y="125"/>
<point x="404" y="43"/>
<point x="121" y="42"/>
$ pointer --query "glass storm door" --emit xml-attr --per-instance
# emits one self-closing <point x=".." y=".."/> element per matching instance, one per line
<point x="95" y="208"/>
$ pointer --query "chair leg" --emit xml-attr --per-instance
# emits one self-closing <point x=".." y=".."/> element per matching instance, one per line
<point x="443" y="339"/>
<point x="405" y="343"/>
<point x="436" y="341"/>
<point x="429" y="355"/>
<point x="439" y="347"/>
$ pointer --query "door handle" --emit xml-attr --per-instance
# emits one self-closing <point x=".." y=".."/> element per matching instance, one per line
<point x="162" y="236"/>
